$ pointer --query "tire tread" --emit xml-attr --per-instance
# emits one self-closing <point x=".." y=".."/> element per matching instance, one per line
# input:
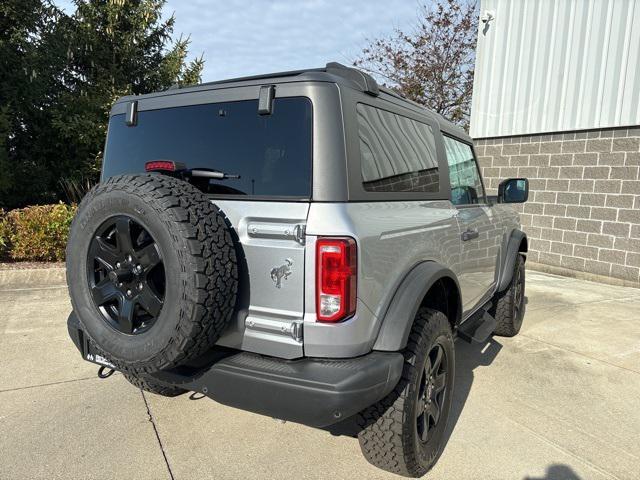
<point x="387" y="431"/>
<point x="208" y="301"/>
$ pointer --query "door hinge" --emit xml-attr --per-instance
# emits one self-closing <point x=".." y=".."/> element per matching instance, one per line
<point x="299" y="233"/>
<point x="296" y="331"/>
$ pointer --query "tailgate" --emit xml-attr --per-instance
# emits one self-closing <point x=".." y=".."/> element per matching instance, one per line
<point x="270" y="309"/>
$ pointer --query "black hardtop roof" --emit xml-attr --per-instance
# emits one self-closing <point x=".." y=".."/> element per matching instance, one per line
<point x="332" y="72"/>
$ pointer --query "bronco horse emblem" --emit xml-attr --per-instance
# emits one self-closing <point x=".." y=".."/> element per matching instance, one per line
<point x="283" y="271"/>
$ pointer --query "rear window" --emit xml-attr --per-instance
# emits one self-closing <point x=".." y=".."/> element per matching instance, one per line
<point x="271" y="153"/>
<point x="398" y="154"/>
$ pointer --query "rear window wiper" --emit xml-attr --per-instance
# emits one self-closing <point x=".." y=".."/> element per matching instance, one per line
<point x="181" y="169"/>
<point x="210" y="173"/>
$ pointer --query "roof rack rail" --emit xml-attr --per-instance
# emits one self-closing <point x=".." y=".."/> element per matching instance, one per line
<point x="401" y="96"/>
<point x="266" y="76"/>
<point x="364" y="81"/>
<point x="393" y="93"/>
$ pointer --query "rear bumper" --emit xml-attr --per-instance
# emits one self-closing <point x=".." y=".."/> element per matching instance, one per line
<point x="314" y="392"/>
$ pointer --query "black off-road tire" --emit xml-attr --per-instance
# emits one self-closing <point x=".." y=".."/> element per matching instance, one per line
<point x="509" y="305"/>
<point x="147" y="384"/>
<point x="199" y="262"/>
<point x="389" y="438"/>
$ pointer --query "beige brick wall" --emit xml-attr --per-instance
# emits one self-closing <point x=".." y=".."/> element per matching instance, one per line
<point x="583" y="211"/>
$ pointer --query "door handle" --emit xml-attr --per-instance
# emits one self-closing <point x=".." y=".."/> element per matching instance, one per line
<point x="470" y="234"/>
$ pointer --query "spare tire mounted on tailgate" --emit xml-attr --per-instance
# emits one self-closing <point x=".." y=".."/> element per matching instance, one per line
<point x="152" y="271"/>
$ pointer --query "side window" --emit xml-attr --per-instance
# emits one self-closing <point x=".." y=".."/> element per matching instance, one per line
<point x="466" y="186"/>
<point x="398" y="154"/>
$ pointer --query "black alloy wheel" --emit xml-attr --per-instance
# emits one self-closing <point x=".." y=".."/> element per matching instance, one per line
<point x="509" y="305"/>
<point x="126" y="275"/>
<point x="518" y="295"/>
<point x="152" y="271"/>
<point x="431" y="392"/>
<point x="405" y="432"/>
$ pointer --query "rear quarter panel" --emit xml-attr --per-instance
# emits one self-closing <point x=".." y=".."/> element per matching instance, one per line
<point x="392" y="238"/>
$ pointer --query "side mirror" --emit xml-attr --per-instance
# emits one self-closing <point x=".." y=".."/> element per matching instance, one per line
<point x="513" y="190"/>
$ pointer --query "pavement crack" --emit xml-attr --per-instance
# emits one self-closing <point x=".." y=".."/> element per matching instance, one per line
<point x="155" y="429"/>
<point x="47" y="384"/>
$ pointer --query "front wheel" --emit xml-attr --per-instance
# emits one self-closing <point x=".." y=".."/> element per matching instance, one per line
<point x="404" y="432"/>
<point x="508" y="305"/>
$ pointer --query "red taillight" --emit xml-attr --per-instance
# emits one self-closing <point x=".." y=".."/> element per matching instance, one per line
<point x="336" y="274"/>
<point x="161" y="165"/>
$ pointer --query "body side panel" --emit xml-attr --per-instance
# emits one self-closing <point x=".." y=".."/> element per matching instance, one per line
<point x="392" y="238"/>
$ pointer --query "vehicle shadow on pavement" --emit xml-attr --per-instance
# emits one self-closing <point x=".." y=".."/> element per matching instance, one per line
<point x="557" y="472"/>
<point x="468" y="358"/>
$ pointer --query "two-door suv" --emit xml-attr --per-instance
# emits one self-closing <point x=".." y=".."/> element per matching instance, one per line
<point x="305" y="245"/>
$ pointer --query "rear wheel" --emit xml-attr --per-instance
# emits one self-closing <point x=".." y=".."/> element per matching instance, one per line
<point x="509" y="305"/>
<point x="404" y="433"/>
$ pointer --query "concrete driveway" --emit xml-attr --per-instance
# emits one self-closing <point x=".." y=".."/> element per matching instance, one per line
<point x="560" y="401"/>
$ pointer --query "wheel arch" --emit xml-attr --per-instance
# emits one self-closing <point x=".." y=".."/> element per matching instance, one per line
<point x="428" y="284"/>
<point x="517" y="244"/>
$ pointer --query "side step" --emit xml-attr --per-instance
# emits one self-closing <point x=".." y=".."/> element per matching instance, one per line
<point x="479" y="327"/>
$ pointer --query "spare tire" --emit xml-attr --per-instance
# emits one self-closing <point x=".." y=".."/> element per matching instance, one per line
<point x="151" y="270"/>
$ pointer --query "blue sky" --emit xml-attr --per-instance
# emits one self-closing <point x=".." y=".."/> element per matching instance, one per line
<point x="244" y="37"/>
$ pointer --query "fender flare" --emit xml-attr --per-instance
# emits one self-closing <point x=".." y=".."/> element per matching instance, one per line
<point x="512" y="250"/>
<point x="398" y="318"/>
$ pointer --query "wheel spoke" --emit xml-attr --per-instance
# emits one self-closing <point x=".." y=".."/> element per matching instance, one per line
<point x="150" y="302"/>
<point x="103" y="291"/>
<point x="425" y="375"/>
<point x="423" y="424"/>
<point x="125" y="315"/>
<point x="420" y="407"/>
<point x="104" y="253"/>
<point x="434" y="412"/>
<point x="435" y="364"/>
<point x="123" y="234"/>
<point x="149" y="256"/>
<point x="122" y="257"/>
<point x="439" y="382"/>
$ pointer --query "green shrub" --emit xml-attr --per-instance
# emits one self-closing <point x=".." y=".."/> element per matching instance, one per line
<point x="36" y="233"/>
<point x="4" y="234"/>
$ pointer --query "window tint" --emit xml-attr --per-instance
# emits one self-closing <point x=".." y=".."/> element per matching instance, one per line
<point x="271" y="153"/>
<point x="466" y="186"/>
<point x="397" y="154"/>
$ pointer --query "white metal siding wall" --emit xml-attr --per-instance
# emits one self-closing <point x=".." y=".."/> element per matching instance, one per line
<point x="556" y="65"/>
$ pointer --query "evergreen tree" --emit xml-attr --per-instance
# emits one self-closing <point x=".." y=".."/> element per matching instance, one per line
<point x="67" y="72"/>
<point x="31" y="59"/>
<point x="117" y="48"/>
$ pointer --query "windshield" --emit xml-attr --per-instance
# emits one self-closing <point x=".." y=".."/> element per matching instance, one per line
<point x="270" y="153"/>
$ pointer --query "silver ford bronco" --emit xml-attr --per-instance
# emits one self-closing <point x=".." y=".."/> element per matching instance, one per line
<point x="305" y="245"/>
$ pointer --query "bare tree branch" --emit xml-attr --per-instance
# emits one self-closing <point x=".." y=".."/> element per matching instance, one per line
<point x="434" y="64"/>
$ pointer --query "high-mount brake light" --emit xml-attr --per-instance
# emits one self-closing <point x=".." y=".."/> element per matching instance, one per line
<point x="336" y="277"/>
<point x="161" y="165"/>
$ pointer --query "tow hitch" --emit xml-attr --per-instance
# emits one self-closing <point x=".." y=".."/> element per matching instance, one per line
<point x="87" y="349"/>
<point x="105" y="372"/>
